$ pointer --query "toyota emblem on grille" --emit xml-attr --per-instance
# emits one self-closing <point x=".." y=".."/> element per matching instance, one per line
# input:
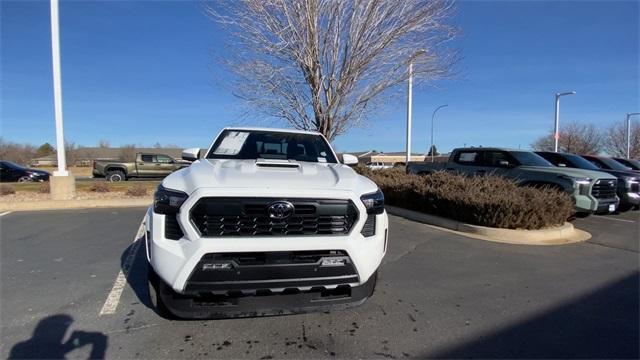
<point x="280" y="210"/>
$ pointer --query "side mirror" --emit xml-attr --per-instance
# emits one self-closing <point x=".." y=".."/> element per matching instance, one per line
<point x="191" y="154"/>
<point x="349" y="159"/>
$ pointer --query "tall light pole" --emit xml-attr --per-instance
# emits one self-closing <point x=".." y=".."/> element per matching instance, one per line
<point x="410" y="101"/>
<point x="432" y="118"/>
<point x="57" y="90"/>
<point x="409" y="110"/>
<point x="556" y="134"/>
<point x="629" y="115"/>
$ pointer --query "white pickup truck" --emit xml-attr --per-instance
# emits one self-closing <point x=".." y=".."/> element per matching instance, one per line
<point x="267" y="222"/>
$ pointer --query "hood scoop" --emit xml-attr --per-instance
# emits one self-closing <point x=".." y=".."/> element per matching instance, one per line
<point x="276" y="163"/>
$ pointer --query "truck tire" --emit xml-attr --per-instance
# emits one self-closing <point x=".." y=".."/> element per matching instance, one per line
<point x="156" y="285"/>
<point x="116" y="175"/>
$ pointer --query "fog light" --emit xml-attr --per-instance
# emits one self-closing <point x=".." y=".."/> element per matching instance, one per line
<point x="334" y="261"/>
<point x="216" y="266"/>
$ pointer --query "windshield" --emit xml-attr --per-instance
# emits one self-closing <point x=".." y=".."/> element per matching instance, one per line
<point x="580" y="162"/>
<point x="612" y="164"/>
<point x="251" y="145"/>
<point x="528" y="158"/>
<point x="634" y="164"/>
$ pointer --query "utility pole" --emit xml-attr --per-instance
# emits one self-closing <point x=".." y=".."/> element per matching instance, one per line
<point x="629" y="115"/>
<point x="556" y="134"/>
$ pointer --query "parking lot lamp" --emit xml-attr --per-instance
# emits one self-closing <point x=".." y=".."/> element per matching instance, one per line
<point x="432" y="118"/>
<point x="556" y="134"/>
<point x="62" y="184"/>
<point x="629" y="115"/>
<point x="410" y="101"/>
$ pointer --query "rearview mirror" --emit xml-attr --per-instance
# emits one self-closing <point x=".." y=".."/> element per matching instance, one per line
<point x="191" y="154"/>
<point x="349" y="159"/>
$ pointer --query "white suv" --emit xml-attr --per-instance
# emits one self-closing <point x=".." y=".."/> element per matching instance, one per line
<point x="268" y="222"/>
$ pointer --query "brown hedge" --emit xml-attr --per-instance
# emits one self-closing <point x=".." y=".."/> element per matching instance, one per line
<point x="480" y="200"/>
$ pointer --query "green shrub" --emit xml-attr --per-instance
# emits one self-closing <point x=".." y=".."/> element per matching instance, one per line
<point x="7" y="189"/>
<point x="480" y="200"/>
<point x="137" y="190"/>
<point x="100" y="186"/>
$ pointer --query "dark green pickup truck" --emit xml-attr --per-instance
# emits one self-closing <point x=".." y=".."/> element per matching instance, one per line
<point x="146" y="165"/>
<point x="591" y="191"/>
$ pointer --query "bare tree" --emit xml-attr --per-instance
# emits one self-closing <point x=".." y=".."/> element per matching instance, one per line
<point x="103" y="144"/>
<point x="574" y="138"/>
<point x="17" y="153"/>
<point x="326" y="64"/>
<point x="70" y="150"/>
<point x="128" y="152"/>
<point x="615" y="140"/>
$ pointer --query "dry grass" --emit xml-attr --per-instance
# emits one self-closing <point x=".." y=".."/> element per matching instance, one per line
<point x="487" y="201"/>
<point x="85" y="186"/>
<point x="75" y="170"/>
<point x="137" y="190"/>
<point x="6" y="189"/>
<point x="100" y="186"/>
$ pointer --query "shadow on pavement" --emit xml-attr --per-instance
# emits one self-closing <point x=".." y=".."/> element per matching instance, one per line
<point x="602" y="324"/>
<point x="47" y="341"/>
<point x="137" y="272"/>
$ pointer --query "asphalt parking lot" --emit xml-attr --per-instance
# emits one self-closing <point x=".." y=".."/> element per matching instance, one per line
<point x="439" y="295"/>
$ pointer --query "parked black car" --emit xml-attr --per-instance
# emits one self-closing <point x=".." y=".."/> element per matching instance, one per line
<point x="630" y="163"/>
<point x="10" y="172"/>
<point x="628" y="181"/>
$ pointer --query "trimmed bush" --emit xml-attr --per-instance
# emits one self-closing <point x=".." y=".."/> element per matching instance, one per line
<point x="137" y="190"/>
<point x="7" y="189"/>
<point x="491" y="201"/>
<point x="44" y="188"/>
<point x="100" y="187"/>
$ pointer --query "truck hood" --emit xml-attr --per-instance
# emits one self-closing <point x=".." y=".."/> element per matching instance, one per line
<point x="215" y="173"/>
<point x="573" y="172"/>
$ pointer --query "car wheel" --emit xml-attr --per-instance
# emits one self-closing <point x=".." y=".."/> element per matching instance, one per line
<point x="156" y="285"/>
<point x="24" y="179"/>
<point x="115" y="176"/>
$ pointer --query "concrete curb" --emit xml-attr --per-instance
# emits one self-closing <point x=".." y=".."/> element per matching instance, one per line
<point x="565" y="234"/>
<point x="73" y="204"/>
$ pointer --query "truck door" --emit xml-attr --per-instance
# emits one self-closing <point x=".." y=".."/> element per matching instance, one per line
<point x="495" y="162"/>
<point x="465" y="162"/>
<point x="146" y="165"/>
<point x="166" y="164"/>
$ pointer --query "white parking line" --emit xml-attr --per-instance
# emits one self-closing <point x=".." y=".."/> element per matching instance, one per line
<point x="113" y="298"/>
<point x="5" y="213"/>
<point x="610" y="218"/>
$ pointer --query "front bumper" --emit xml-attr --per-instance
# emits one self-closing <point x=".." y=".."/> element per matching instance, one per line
<point x="176" y="261"/>
<point x="605" y="206"/>
<point x="630" y="198"/>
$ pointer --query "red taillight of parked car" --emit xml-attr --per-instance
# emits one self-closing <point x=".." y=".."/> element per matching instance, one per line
<point x="94" y="164"/>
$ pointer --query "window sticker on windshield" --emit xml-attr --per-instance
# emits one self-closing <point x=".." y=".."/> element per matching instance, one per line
<point x="322" y="160"/>
<point x="232" y="143"/>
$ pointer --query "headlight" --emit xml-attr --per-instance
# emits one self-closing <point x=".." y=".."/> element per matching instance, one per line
<point x="167" y="201"/>
<point x="374" y="202"/>
<point x="577" y="180"/>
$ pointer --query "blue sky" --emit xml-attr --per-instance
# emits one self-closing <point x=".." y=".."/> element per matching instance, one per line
<point x="140" y="72"/>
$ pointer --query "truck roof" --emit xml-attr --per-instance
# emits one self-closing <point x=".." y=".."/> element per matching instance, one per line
<point x="293" y="131"/>
<point x="490" y="148"/>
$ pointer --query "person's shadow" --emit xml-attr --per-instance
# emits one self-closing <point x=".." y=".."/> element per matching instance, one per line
<point x="47" y="341"/>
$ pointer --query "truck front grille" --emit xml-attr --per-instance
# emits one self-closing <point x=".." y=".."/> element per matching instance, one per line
<point x="256" y="271"/>
<point x="604" y="189"/>
<point x="216" y="217"/>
